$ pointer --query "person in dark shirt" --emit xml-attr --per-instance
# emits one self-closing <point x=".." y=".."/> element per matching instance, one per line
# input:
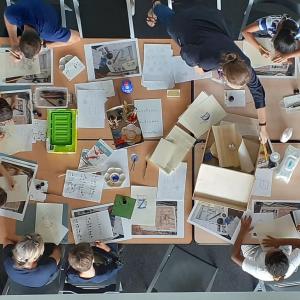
<point x="206" y="45"/>
<point x="92" y="264"/>
<point x="24" y="263"/>
<point x="39" y="23"/>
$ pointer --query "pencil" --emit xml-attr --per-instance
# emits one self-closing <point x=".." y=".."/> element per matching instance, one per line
<point x="14" y="54"/>
<point x="265" y="152"/>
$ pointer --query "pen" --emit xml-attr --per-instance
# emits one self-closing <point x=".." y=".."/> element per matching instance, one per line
<point x="14" y="54"/>
<point x="146" y="165"/>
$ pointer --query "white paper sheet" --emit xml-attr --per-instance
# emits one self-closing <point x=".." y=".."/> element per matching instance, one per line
<point x="282" y="227"/>
<point x="39" y="130"/>
<point x="149" y="113"/>
<point x="172" y="186"/>
<point x="17" y="138"/>
<point x="107" y="86"/>
<point x="263" y="182"/>
<point x="204" y="112"/>
<point x="258" y="218"/>
<point x="118" y="159"/>
<point x="12" y="68"/>
<point x="145" y="206"/>
<point x="92" y="227"/>
<point x="296" y="215"/>
<point x="48" y="222"/>
<point x="19" y="192"/>
<point x="183" y="72"/>
<point x="162" y="153"/>
<point x="83" y="186"/>
<point x="91" y="108"/>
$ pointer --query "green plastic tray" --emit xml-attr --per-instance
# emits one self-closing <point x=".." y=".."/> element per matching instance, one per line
<point x="61" y="128"/>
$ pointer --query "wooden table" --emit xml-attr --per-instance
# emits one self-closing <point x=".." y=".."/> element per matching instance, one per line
<point x="276" y="89"/>
<point x="53" y="165"/>
<point x="280" y="191"/>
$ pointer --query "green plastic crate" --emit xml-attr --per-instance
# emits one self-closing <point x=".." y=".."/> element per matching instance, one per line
<point x="62" y="131"/>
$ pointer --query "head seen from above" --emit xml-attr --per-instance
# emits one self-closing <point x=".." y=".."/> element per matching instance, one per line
<point x="277" y="264"/>
<point x="28" y="251"/>
<point x="30" y="43"/>
<point x="81" y="257"/>
<point x="285" y="38"/>
<point x="236" y="72"/>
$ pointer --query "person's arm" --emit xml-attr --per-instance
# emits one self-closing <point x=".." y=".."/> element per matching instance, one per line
<point x="74" y="38"/>
<point x="10" y="180"/>
<point x="258" y="93"/>
<point x="56" y="254"/>
<point x="276" y="243"/>
<point x="12" y="33"/>
<point x="236" y="254"/>
<point x="283" y="57"/>
<point x="102" y="246"/>
<point x="250" y="38"/>
<point x="8" y="242"/>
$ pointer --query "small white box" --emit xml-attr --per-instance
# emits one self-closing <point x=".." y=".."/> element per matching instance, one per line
<point x="235" y="98"/>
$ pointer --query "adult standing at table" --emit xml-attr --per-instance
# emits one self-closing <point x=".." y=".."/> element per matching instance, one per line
<point x="39" y="23"/>
<point x="206" y="45"/>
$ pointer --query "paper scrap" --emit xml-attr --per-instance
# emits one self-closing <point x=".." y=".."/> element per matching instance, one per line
<point x="40" y="193"/>
<point x="107" y="86"/>
<point x="39" y="130"/>
<point x="91" y="108"/>
<point x="263" y="182"/>
<point x="149" y="113"/>
<point x="83" y="186"/>
<point x="145" y="206"/>
<point x="19" y="192"/>
<point x="172" y="186"/>
<point x="92" y="227"/>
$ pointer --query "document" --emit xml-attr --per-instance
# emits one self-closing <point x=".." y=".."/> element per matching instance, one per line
<point x="19" y="192"/>
<point x="107" y="86"/>
<point x="91" y="108"/>
<point x="39" y="130"/>
<point x="172" y="186"/>
<point x="92" y="227"/>
<point x="149" y="113"/>
<point x="12" y="68"/>
<point x="183" y="72"/>
<point x="144" y="212"/>
<point x="83" y="186"/>
<point x="263" y="182"/>
<point x="48" y="222"/>
<point x="204" y="112"/>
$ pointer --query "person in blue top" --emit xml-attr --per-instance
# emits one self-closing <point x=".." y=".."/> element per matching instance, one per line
<point x="206" y="45"/>
<point x="39" y="23"/>
<point x="92" y="264"/>
<point x="283" y="30"/>
<point x="25" y="264"/>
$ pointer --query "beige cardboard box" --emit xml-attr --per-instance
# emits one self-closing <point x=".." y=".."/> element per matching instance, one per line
<point x="230" y="187"/>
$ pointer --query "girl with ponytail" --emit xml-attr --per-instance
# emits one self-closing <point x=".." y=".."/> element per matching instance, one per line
<point x="285" y="33"/>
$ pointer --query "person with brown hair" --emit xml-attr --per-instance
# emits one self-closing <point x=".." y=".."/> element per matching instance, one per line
<point x="92" y="264"/>
<point x="207" y="45"/>
<point x="25" y="264"/>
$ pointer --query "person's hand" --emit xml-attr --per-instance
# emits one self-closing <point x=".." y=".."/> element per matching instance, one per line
<point x="263" y="51"/>
<point x="199" y="70"/>
<point x="271" y="242"/>
<point x="280" y="57"/>
<point x="102" y="246"/>
<point x="263" y="134"/>
<point x="246" y="225"/>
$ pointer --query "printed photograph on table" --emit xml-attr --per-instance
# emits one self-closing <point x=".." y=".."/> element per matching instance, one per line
<point x="221" y="221"/>
<point x="20" y="102"/>
<point x="110" y="60"/>
<point x="279" y="208"/>
<point x="43" y="74"/>
<point x="166" y="222"/>
<point x="51" y="97"/>
<point x="22" y="173"/>
<point x="125" y="127"/>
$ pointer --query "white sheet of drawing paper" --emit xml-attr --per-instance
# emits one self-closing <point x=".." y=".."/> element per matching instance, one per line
<point x="19" y="192"/>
